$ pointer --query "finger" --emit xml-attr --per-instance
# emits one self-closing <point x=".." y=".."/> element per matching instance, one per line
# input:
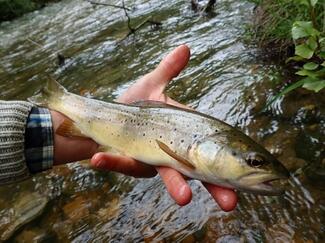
<point x="170" y="67"/>
<point x="176" y="185"/>
<point x="226" y="198"/>
<point x="122" y="164"/>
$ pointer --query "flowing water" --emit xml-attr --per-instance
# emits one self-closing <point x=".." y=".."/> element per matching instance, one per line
<point x="224" y="78"/>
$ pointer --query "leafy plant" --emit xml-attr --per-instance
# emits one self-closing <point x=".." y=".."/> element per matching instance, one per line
<point x="271" y="28"/>
<point x="309" y="53"/>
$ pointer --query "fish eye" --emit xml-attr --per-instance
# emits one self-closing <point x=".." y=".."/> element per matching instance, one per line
<point x="255" y="161"/>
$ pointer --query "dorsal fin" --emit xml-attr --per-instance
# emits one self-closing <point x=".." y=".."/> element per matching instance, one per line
<point x="50" y="93"/>
<point x="69" y="129"/>
<point x="172" y="154"/>
<point x="151" y="103"/>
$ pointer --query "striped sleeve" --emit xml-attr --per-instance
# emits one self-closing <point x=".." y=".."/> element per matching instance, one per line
<point x="13" y="118"/>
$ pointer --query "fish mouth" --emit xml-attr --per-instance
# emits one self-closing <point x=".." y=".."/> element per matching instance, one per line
<point x="262" y="184"/>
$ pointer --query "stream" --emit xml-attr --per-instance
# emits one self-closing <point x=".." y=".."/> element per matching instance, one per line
<point x="225" y="78"/>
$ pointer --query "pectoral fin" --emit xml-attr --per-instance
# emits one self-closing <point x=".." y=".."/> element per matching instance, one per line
<point x="69" y="129"/>
<point x="172" y="154"/>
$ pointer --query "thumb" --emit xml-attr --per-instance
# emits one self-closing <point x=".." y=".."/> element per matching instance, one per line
<point x="170" y="66"/>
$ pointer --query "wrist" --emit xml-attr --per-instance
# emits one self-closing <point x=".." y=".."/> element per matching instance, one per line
<point x="70" y="149"/>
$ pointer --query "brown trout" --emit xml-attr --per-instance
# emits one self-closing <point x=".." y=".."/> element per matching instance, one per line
<point x="197" y="145"/>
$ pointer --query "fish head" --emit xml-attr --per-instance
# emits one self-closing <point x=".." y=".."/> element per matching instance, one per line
<point x="239" y="162"/>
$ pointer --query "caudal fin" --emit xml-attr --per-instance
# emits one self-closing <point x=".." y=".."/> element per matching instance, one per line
<point x="48" y="94"/>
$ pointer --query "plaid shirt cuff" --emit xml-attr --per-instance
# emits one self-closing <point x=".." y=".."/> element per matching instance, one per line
<point x="39" y="148"/>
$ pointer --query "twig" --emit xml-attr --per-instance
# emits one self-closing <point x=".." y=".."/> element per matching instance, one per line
<point x="34" y="42"/>
<point x="127" y="15"/>
<point x="109" y="5"/>
<point x="142" y="24"/>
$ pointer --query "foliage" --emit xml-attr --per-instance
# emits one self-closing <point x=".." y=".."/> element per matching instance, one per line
<point x="274" y="19"/>
<point x="306" y="34"/>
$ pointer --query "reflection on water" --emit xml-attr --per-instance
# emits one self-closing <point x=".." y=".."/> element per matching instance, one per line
<point x="223" y="79"/>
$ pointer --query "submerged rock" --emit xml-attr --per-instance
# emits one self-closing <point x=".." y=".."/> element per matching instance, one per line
<point x="35" y="235"/>
<point x="316" y="173"/>
<point x="25" y="209"/>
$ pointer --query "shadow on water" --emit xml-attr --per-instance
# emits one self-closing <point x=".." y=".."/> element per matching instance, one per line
<point x="223" y="79"/>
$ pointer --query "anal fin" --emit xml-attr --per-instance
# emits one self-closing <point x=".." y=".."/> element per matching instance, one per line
<point x="172" y="154"/>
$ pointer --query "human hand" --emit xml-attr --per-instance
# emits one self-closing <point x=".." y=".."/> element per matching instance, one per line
<point x="151" y="87"/>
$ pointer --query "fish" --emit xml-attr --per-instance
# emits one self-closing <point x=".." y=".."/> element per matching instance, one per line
<point x="197" y="145"/>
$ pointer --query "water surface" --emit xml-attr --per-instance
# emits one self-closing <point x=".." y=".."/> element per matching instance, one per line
<point x="224" y="79"/>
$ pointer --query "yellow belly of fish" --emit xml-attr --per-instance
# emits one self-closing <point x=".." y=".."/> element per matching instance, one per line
<point x="131" y="144"/>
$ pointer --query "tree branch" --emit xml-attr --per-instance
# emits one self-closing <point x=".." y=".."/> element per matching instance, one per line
<point x="109" y="5"/>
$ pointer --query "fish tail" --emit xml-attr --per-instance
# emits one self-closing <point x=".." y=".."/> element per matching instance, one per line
<point x="49" y="94"/>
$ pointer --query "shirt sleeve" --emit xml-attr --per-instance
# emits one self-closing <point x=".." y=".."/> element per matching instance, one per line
<point x="13" y="118"/>
<point x="39" y="145"/>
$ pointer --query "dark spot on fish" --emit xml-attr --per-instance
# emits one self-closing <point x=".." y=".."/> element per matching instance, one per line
<point x="182" y="141"/>
<point x="153" y="129"/>
<point x="175" y="129"/>
<point x="138" y="124"/>
<point x="171" y="142"/>
<point x="160" y="136"/>
<point x="167" y="121"/>
<point x="146" y="123"/>
<point x="195" y="135"/>
<point x="216" y="130"/>
<point x="144" y="134"/>
<point x="234" y="153"/>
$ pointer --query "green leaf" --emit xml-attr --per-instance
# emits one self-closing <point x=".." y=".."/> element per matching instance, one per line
<point x="310" y="66"/>
<point x="323" y="64"/>
<point x="315" y="86"/>
<point x="312" y="44"/>
<point x="320" y="73"/>
<point x="322" y="54"/>
<point x="304" y="51"/>
<point x="295" y="58"/>
<point x="302" y="29"/>
<point x="304" y="72"/>
<point x="313" y="2"/>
